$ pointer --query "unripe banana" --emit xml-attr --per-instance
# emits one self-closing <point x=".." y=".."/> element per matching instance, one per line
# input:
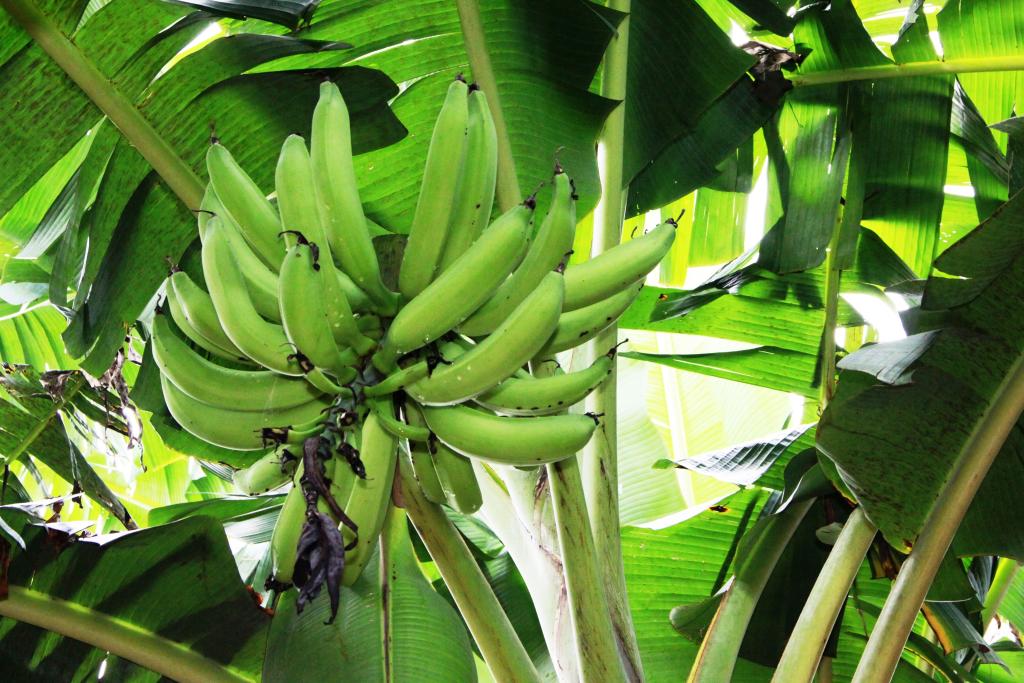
<point x="546" y="395"/>
<point x="269" y="472"/>
<point x="262" y="341"/>
<point x="370" y="498"/>
<point x="458" y="481"/>
<point x="398" y="380"/>
<point x="422" y="461"/>
<point x="192" y="310"/>
<point x="284" y="542"/>
<point x="583" y="324"/>
<point x="344" y="326"/>
<point x="296" y="198"/>
<point x="261" y="282"/>
<point x="437" y="194"/>
<point x="337" y="192"/>
<point x="548" y="249"/>
<point x="381" y="407"/>
<point x="519" y="441"/>
<point x="233" y="429"/>
<point x="616" y="269"/>
<point x="474" y="195"/>
<point x="497" y="357"/>
<point x="185" y="325"/>
<point x="208" y="382"/>
<point x="304" y="312"/>
<point x="460" y="290"/>
<point x="246" y="203"/>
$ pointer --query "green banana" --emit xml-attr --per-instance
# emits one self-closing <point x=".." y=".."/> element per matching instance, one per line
<point x="370" y="498"/>
<point x="618" y="268"/>
<point x="233" y="429"/>
<point x="460" y="290"/>
<point x="398" y="380"/>
<point x="457" y="479"/>
<point x="583" y="324"/>
<point x="267" y="473"/>
<point x="343" y="324"/>
<point x="498" y="356"/>
<point x="304" y="312"/>
<point x="296" y="198"/>
<point x="246" y="203"/>
<point x="474" y="194"/>
<point x="356" y="297"/>
<point x="300" y="214"/>
<point x="519" y="441"/>
<point x="382" y="409"/>
<point x="548" y="249"/>
<point x="185" y="325"/>
<point x="337" y="192"/>
<point x="260" y="340"/>
<point x="430" y="223"/>
<point x="207" y="382"/>
<point x="284" y="542"/>
<point x="198" y="313"/>
<point x="422" y="461"/>
<point x="546" y="395"/>
<point x="260" y="281"/>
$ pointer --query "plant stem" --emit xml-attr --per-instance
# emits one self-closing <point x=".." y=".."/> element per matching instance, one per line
<point x="720" y="649"/>
<point x="600" y="459"/>
<point x="500" y="646"/>
<point x="885" y="645"/>
<point x="596" y="647"/>
<point x="148" y="649"/>
<point x="949" y="66"/>
<point x="1006" y="572"/>
<point x="517" y="508"/>
<point x="807" y="642"/>
<point x="508" y="192"/>
<point x="118" y="108"/>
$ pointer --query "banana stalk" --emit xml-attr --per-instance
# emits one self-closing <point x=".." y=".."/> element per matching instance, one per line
<point x="500" y="646"/>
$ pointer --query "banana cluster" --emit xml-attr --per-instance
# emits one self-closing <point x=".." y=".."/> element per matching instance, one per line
<point x="295" y="349"/>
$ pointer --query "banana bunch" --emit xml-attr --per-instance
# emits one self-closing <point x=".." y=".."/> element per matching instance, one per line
<point x="293" y="348"/>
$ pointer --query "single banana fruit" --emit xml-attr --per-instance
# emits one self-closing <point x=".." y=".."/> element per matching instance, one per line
<point x="498" y="356"/>
<point x="269" y="472"/>
<point x="246" y="203"/>
<point x="337" y="192"/>
<point x="284" y="542"/>
<point x="458" y="481"/>
<point x="583" y="324"/>
<point x="519" y="441"/>
<point x="398" y="380"/>
<point x="381" y="407"/>
<point x="430" y="223"/>
<point x="344" y="326"/>
<point x="474" y="195"/>
<point x="546" y="395"/>
<point x="260" y="340"/>
<point x="460" y="290"/>
<point x="296" y="198"/>
<point x="617" y="268"/>
<point x="197" y="310"/>
<point x="184" y="323"/>
<point x="233" y="429"/>
<point x="207" y="382"/>
<point x="370" y="498"/>
<point x="304" y="312"/>
<point x="422" y="460"/>
<point x="548" y="249"/>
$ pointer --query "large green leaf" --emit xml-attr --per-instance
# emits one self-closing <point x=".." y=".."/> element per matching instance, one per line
<point x="176" y="581"/>
<point x="895" y="445"/>
<point x="391" y="626"/>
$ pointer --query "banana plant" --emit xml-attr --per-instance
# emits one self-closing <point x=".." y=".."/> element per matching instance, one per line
<point x="800" y="467"/>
